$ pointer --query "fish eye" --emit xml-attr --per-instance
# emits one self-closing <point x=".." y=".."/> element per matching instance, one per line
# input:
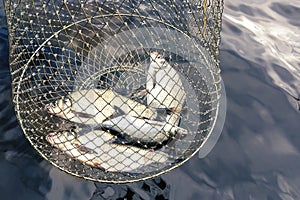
<point x="67" y="101"/>
<point x="53" y="104"/>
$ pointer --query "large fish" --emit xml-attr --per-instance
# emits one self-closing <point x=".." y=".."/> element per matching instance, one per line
<point x="148" y="133"/>
<point x="96" y="149"/>
<point x="97" y="105"/>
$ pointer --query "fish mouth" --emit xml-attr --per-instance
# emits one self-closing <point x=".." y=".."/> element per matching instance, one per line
<point x="155" y="53"/>
<point x="98" y="165"/>
<point x="49" y="109"/>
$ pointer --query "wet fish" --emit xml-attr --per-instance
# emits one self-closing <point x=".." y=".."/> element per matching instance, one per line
<point x="149" y="133"/>
<point x="103" y="153"/>
<point x="97" y="105"/>
<point x="164" y="85"/>
<point x="67" y="142"/>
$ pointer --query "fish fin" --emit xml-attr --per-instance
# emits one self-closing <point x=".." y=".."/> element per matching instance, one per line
<point x="140" y="94"/>
<point x="119" y="110"/>
<point x="142" y="145"/>
<point x="98" y="165"/>
<point x="85" y="149"/>
<point x="131" y="142"/>
<point x="178" y="109"/>
<point x="169" y="111"/>
<point x="121" y="141"/>
<point x="83" y="115"/>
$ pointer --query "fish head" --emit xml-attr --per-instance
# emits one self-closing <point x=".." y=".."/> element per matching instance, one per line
<point x="56" y="138"/>
<point x="158" y="59"/>
<point x="60" y="107"/>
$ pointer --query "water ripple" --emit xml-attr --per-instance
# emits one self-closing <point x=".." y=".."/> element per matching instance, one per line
<point x="272" y="38"/>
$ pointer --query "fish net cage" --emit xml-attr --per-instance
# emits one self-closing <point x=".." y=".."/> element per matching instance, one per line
<point x="115" y="91"/>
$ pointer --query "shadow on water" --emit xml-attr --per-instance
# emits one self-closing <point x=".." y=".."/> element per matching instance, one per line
<point x="257" y="156"/>
<point x="150" y="189"/>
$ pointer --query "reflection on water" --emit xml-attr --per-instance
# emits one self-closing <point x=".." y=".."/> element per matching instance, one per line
<point x="257" y="156"/>
<point x="150" y="189"/>
<point x="270" y="37"/>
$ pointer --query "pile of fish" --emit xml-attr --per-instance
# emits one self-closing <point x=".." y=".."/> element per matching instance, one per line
<point x="125" y="134"/>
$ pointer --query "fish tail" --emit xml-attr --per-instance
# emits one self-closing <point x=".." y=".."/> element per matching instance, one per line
<point x="98" y="165"/>
<point x="160" y="157"/>
<point x="181" y="131"/>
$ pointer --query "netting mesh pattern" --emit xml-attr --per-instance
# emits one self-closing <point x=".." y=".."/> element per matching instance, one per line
<point x="115" y="91"/>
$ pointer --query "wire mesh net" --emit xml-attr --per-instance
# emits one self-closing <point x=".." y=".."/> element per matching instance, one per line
<point x="115" y="91"/>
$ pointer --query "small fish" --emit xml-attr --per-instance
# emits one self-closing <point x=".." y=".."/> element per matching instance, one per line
<point x="97" y="105"/>
<point x="103" y="153"/>
<point x="164" y="88"/>
<point x="146" y="132"/>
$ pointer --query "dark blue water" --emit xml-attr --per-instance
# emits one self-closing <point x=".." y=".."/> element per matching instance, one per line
<point x="257" y="156"/>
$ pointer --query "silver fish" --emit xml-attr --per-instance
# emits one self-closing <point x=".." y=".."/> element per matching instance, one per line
<point x="97" y="105"/>
<point x="144" y="131"/>
<point x="164" y="85"/>
<point x="104" y="154"/>
<point x="67" y="142"/>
